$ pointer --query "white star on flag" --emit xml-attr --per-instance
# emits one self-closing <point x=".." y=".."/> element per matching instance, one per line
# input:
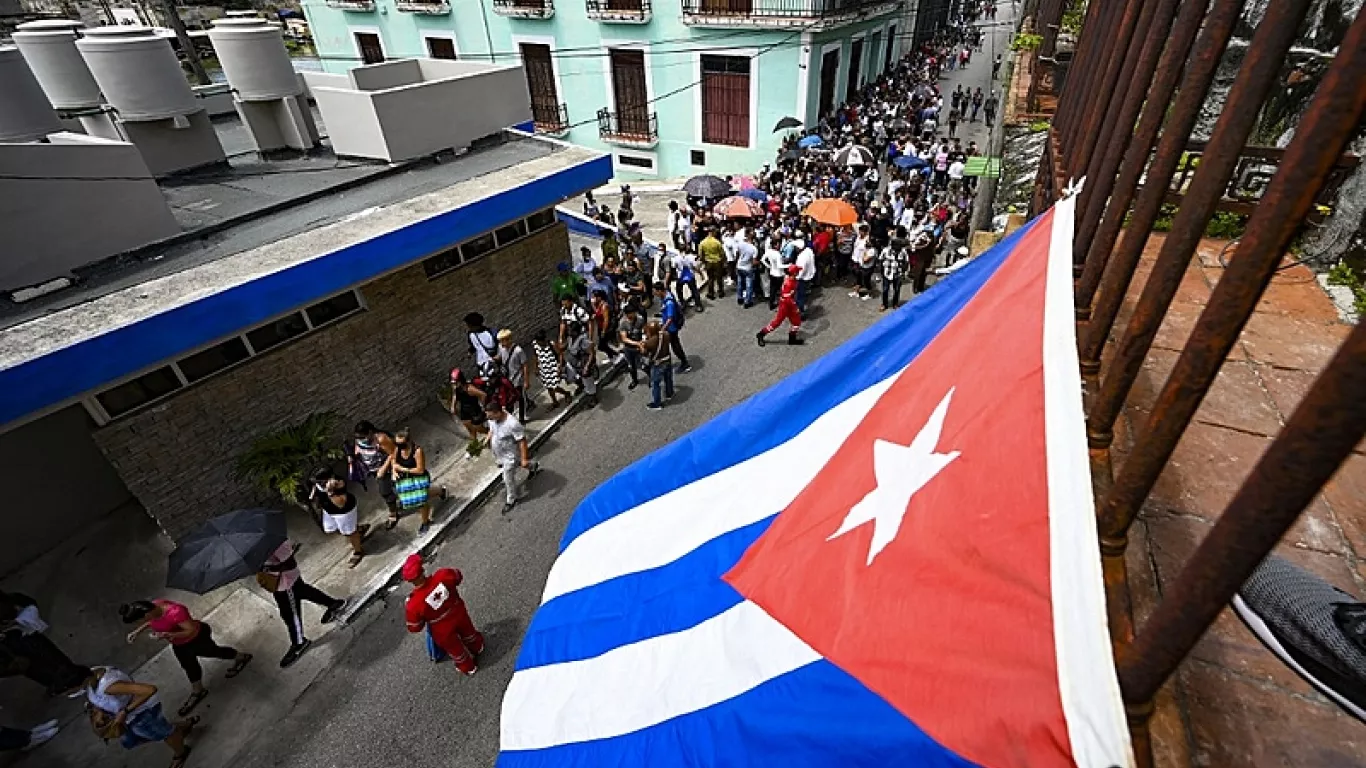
<point x="901" y="471"/>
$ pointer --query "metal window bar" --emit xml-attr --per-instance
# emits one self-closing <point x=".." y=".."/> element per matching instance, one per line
<point x="550" y="118"/>
<point x="634" y="126"/>
<point x="794" y="9"/>
<point x="617" y="9"/>
<point x="527" y="8"/>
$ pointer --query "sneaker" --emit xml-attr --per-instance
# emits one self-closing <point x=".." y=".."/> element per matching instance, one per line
<point x="655" y="406"/>
<point x="471" y="672"/>
<point x="422" y="529"/>
<point x="685" y="369"/>
<point x="293" y="654"/>
<point x="333" y="611"/>
<point x="759" y="337"/>
<point x="632" y="385"/>
<point x="852" y="294"/>
<point x="40" y="736"/>
<point x="508" y="505"/>
<point x="865" y="297"/>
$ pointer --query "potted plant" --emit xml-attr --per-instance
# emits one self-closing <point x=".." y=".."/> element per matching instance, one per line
<point x="279" y="463"/>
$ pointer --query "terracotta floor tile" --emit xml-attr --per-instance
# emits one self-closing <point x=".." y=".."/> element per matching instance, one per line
<point x="1287" y="387"/>
<point x="1207" y="254"/>
<point x="1238" y="723"/>
<point x="1290" y="342"/>
<point x="1236" y="400"/>
<point x="1346" y="494"/>
<point x="1206" y="469"/>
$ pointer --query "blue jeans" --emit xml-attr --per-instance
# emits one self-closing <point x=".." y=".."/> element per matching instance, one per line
<point x="744" y="288"/>
<point x="661" y="374"/>
<point x="146" y="726"/>
<point x="803" y="286"/>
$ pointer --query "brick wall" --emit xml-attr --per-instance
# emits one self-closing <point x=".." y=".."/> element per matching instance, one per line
<point x="383" y="364"/>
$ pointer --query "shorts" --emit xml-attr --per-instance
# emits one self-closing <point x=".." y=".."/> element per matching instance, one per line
<point x="343" y="524"/>
<point x="385" y="484"/>
<point x="474" y="416"/>
<point x="145" y="727"/>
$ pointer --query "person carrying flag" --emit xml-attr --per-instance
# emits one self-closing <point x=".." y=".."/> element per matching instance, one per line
<point x="435" y="605"/>
<point x="787" y="310"/>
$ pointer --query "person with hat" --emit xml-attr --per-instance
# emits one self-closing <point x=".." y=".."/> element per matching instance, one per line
<point x="787" y="310"/>
<point x="566" y="284"/>
<point x="517" y="369"/>
<point x="435" y="605"/>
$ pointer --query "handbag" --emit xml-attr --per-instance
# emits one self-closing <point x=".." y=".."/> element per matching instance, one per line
<point x="412" y="490"/>
<point x="435" y="652"/>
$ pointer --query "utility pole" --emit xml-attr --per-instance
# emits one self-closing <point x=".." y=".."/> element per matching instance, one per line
<point x="186" y="46"/>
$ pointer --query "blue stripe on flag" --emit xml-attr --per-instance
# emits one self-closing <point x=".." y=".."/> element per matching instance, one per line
<point x="814" y="717"/>
<point x="637" y="606"/>
<point x="776" y="415"/>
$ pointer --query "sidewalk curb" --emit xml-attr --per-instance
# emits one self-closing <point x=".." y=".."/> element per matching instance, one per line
<point x="382" y="584"/>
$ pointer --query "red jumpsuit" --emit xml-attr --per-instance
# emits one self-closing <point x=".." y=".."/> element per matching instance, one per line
<point x="437" y="605"/>
<point x="787" y="308"/>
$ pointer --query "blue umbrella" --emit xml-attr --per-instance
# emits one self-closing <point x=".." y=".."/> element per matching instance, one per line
<point x="757" y="195"/>
<point x="909" y="162"/>
<point x="810" y="141"/>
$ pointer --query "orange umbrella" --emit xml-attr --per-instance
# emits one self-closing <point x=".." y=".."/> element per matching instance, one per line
<point x="832" y="211"/>
<point x="737" y="208"/>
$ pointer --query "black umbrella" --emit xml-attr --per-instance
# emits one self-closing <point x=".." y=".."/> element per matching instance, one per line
<point x="787" y="122"/>
<point x="790" y="156"/>
<point x="710" y="187"/>
<point x="225" y="549"/>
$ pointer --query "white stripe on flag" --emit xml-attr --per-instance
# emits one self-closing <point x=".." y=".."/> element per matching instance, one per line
<point x="1086" y="672"/>
<point x="668" y="527"/>
<point x="643" y="684"/>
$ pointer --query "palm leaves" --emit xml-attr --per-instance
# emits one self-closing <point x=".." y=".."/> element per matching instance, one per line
<point x="276" y="463"/>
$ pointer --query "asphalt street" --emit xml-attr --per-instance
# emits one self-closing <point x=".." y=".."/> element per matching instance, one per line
<point x="383" y="703"/>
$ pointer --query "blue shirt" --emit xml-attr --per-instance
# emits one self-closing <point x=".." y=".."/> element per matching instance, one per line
<point x="670" y="313"/>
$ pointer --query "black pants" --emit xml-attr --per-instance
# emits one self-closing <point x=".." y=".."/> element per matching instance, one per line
<point x="891" y="292"/>
<point x="40" y="660"/>
<point x="632" y="363"/>
<point x="13" y="739"/>
<point x="201" y="647"/>
<point x="677" y="347"/>
<point x="692" y="287"/>
<point x="775" y="287"/>
<point x="290" y="603"/>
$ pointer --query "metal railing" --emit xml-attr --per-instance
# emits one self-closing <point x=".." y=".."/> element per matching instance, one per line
<point x="550" y="118"/>
<point x="758" y="10"/>
<point x="629" y="127"/>
<point x="525" y="9"/>
<point x="618" y="10"/>
<point x="1142" y="75"/>
<point x="428" y="7"/>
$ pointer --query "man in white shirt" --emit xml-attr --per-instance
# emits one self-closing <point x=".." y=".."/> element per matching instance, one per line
<point x="773" y="261"/>
<point x="745" y="257"/>
<point x="676" y="224"/>
<point x="806" y="260"/>
<point x="728" y="244"/>
<point x="507" y="440"/>
<point x="863" y="263"/>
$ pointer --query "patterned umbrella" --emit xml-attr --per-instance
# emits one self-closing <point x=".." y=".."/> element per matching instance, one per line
<point x="710" y="187"/>
<point x="854" y="155"/>
<point x="832" y="211"/>
<point x="737" y="207"/>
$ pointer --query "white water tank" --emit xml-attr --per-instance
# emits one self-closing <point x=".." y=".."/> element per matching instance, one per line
<point x="25" y="114"/>
<point x="138" y="73"/>
<point x="50" y="48"/>
<point x="252" y="53"/>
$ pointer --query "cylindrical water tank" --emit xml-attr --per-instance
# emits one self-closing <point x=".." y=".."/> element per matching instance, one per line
<point x="252" y="53"/>
<point x="50" y="48"/>
<point x="25" y="114"/>
<point x="138" y="73"/>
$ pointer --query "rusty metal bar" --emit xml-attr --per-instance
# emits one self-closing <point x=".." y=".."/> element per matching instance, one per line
<point x="1141" y="60"/>
<point x="1321" y="434"/>
<point x="1319" y="139"/>
<point x="1158" y="96"/>
<point x="1105" y="87"/>
<point x="1050" y="19"/>
<point x="1200" y="71"/>
<point x="1083" y="75"/>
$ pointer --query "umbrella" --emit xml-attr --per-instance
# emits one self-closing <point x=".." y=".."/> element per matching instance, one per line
<point x="737" y="207"/>
<point x="909" y="162"/>
<point x="854" y="155"/>
<point x="225" y="549"/>
<point x="833" y="211"/>
<point x="810" y="141"/>
<point x="757" y="195"/>
<point x="790" y="156"/>
<point x="707" y="186"/>
<point x="746" y="182"/>
<point x="787" y="122"/>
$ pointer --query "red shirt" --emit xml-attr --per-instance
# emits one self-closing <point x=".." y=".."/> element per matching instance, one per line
<point x="434" y="601"/>
<point x="822" y="240"/>
<point x="789" y="291"/>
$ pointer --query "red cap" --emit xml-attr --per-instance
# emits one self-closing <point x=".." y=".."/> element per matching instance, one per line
<point x="412" y="567"/>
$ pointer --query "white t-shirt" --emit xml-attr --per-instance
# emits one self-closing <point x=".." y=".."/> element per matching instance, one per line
<point x="728" y="244"/>
<point x="807" y="261"/>
<point x="745" y="254"/>
<point x="773" y="259"/>
<point x="503" y="439"/>
<point x="863" y="255"/>
<point x="956" y="170"/>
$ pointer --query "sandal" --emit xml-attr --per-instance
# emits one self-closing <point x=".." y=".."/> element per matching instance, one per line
<point x="192" y="702"/>
<point x="390" y="523"/>
<point x="355" y="560"/>
<point x="237" y="667"/>
<point x="179" y="760"/>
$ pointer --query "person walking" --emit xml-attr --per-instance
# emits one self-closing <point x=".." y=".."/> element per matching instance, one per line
<point x="977" y="99"/>
<point x="20" y="740"/>
<point x="922" y="253"/>
<point x="806" y="262"/>
<point x="548" y="367"/>
<point x="788" y="310"/>
<point x="894" y="261"/>
<point x="571" y="311"/>
<point x="675" y="226"/>
<point x="124" y="709"/>
<point x="436" y="606"/>
<point x="190" y="640"/>
<point x="655" y="349"/>
<point x="516" y="368"/>
<point x="863" y="257"/>
<point x="467" y="406"/>
<point x="996" y="67"/>
<point x="773" y="262"/>
<point x="412" y="481"/>
<point x="713" y="256"/>
<point x="483" y="341"/>
<point x="581" y="362"/>
<point x="602" y="325"/>
<point x="280" y="576"/>
<point x="989" y="108"/>
<point x="671" y="315"/>
<point x="746" y="256"/>
<point x="369" y="456"/>
<point x="510" y="451"/>
<point x="26" y="650"/>
<point x="339" y="514"/>
<point x="685" y="268"/>
<point x="630" y="332"/>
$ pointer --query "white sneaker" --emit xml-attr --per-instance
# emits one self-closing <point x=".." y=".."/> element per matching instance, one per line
<point x="866" y="296"/>
<point x="852" y="294"/>
<point x="38" y="738"/>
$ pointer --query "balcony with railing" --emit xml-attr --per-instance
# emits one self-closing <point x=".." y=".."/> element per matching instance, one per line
<point x="358" y="6"/>
<point x="424" y="7"/>
<point x="525" y="9"/>
<point x="619" y="11"/>
<point x="637" y="129"/>
<point x="813" y="14"/>
<point x="549" y="117"/>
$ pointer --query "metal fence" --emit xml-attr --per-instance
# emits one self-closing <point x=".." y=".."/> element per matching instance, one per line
<point x="795" y="9"/>
<point x="531" y="9"/>
<point x="1141" y="75"/>
<point x="625" y="10"/>
<point x="640" y="127"/>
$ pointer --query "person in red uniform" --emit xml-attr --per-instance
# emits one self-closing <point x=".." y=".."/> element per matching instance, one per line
<point x="787" y="310"/>
<point x="435" y="604"/>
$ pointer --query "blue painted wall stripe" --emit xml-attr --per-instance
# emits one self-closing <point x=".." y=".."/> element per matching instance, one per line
<point x="72" y="371"/>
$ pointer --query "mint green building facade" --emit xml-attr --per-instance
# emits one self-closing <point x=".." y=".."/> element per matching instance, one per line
<point x="584" y="56"/>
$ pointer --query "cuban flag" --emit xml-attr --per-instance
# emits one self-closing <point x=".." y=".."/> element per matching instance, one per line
<point x="887" y="559"/>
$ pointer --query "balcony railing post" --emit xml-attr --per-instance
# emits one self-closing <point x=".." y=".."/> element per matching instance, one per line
<point x="1157" y="97"/>
<point x="1320" y="138"/>
<point x="1119" y="270"/>
<point x="1065" y="117"/>
<point x="1132" y="88"/>
<point x="1136" y="14"/>
<point x="1092" y="71"/>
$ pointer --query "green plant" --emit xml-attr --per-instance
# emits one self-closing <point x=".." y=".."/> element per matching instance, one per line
<point x="1024" y="41"/>
<point x="1226" y="226"/>
<point x="1038" y="126"/>
<point x="1073" y="17"/>
<point x="1342" y="274"/>
<point x="276" y="463"/>
<point x="474" y="447"/>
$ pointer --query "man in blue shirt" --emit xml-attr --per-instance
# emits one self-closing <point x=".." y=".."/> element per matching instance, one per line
<point x="672" y="317"/>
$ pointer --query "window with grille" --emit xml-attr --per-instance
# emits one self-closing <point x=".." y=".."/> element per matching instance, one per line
<point x="371" y="50"/>
<point x="540" y="81"/>
<point x="630" y="92"/>
<point x="441" y="48"/>
<point x="725" y="100"/>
